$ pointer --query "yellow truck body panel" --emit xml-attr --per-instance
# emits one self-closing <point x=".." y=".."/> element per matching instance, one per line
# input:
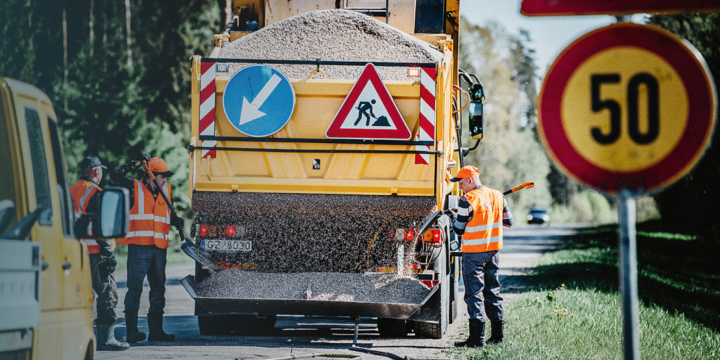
<point x="317" y="102"/>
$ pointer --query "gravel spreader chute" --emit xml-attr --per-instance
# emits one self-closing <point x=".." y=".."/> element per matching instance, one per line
<point x="303" y="306"/>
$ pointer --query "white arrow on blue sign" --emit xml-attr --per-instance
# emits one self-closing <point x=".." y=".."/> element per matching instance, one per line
<point x="259" y="101"/>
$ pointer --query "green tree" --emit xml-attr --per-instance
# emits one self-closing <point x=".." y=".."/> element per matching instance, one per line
<point x="693" y="203"/>
<point x="509" y="153"/>
<point x="116" y="71"/>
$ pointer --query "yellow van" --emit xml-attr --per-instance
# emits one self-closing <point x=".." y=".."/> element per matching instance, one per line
<point x="46" y="292"/>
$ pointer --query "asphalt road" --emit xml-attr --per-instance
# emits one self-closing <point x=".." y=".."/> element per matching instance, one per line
<point x="297" y="335"/>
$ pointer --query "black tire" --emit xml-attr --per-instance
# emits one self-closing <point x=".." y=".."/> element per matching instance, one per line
<point x="213" y="325"/>
<point x="428" y="330"/>
<point x="391" y="328"/>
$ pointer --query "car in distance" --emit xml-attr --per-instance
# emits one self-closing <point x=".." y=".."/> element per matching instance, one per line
<point x="538" y="215"/>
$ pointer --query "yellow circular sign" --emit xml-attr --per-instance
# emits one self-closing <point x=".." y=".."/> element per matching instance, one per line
<point x="624" y="83"/>
<point x="627" y="107"/>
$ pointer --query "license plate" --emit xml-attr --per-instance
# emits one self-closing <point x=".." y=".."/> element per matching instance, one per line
<point x="227" y="245"/>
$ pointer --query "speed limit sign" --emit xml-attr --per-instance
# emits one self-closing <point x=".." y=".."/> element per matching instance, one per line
<point x="627" y="107"/>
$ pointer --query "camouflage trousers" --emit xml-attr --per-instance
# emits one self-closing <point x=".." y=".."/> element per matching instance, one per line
<point x="105" y="288"/>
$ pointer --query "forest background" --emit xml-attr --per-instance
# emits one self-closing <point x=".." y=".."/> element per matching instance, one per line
<point x="117" y="73"/>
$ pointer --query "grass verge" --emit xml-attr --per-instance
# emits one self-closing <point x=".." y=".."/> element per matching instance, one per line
<point x="573" y="307"/>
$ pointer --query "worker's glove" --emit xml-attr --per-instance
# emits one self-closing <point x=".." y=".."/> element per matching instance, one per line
<point x="146" y="157"/>
<point x="452" y="213"/>
<point x="125" y="168"/>
<point x="111" y="264"/>
<point x="178" y="223"/>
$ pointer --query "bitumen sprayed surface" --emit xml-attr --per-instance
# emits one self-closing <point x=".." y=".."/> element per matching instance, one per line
<point x="370" y="288"/>
<point x="311" y="232"/>
<point x="332" y="35"/>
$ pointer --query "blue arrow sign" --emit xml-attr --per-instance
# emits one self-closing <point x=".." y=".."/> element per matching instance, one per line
<point x="259" y="101"/>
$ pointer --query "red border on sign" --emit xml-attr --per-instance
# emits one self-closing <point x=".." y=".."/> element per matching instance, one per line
<point x="614" y="7"/>
<point x="401" y="132"/>
<point x="701" y="108"/>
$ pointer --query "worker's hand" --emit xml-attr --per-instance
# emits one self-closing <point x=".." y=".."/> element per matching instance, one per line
<point x="178" y="223"/>
<point x="146" y="157"/>
<point x="110" y="264"/>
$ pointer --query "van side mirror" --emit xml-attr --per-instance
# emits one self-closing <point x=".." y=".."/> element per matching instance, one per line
<point x="111" y="221"/>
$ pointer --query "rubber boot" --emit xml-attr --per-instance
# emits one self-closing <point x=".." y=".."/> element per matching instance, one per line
<point x="133" y="334"/>
<point x="155" y="323"/>
<point x="106" y="339"/>
<point x="477" y="335"/>
<point x="496" y="332"/>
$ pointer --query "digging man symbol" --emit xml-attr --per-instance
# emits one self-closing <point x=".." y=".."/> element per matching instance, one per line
<point x="364" y="107"/>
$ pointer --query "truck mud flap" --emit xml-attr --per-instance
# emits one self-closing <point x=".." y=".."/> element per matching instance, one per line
<point x="218" y="306"/>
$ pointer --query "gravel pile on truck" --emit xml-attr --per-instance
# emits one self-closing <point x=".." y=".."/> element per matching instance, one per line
<point x="332" y="35"/>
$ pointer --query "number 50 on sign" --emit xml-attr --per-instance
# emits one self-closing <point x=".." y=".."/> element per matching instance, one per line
<point x="629" y="107"/>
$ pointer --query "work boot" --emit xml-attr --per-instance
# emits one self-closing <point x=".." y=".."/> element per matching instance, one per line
<point x="496" y="332"/>
<point x="477" y="335"/>
<point x="155" y="323"/>
<point x="106" y="338"/>
<point x="133" y="334"/>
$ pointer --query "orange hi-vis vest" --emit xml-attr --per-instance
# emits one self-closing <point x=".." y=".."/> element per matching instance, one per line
<point x="149" y="218"/>
<point x="81" y="194"/>
<point x="484" y="231"/>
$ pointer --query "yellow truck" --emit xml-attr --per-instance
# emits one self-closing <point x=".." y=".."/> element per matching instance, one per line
<point x="46" y="291"/>
<point x="312" y="154"/>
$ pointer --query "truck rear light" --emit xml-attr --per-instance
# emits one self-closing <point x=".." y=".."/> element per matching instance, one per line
<point x="410" y="234"/>
<point x="203" y="230"/>
<point x="413" y="72"/>
<point x="230" y="231"/>
<point x="432" y="235"/>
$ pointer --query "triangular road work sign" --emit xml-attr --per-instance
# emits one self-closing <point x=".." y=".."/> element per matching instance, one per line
<point x="368" y="112"/>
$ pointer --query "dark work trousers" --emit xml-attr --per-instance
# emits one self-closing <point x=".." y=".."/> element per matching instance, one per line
<point x="103" y="282"/>
<point x="482" y="285"/>
<point x="146" y="260"/>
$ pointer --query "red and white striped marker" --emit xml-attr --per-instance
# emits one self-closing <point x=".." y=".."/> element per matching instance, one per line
<point x="427" y="114"/>
<point x="207" y="106"/>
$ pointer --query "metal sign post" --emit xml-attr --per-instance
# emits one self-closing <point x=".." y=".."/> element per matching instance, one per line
<point x="628" y="274"/>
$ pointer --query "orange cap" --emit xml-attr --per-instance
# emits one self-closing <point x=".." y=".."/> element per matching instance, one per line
<point x="159" y="167"/>
<point x="466" y="172"/>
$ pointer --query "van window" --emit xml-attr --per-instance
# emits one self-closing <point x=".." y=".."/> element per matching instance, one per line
<point x="66" y="207"/>
<point x="39" y="166"/>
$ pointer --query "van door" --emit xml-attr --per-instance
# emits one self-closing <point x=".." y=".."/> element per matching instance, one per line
<point x="34" y="160"/>
<point x="77" y="285"/>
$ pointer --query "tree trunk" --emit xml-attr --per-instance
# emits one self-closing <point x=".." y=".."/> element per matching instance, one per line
<point x="65" y="54"/>
<point x="91" y="25"/>
<point x="128" y="38"/>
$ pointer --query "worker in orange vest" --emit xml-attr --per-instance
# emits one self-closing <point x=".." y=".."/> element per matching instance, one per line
<point x="147" y="240"/>
<point x="482" y="213"/>
<point x="85" y="194"/>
